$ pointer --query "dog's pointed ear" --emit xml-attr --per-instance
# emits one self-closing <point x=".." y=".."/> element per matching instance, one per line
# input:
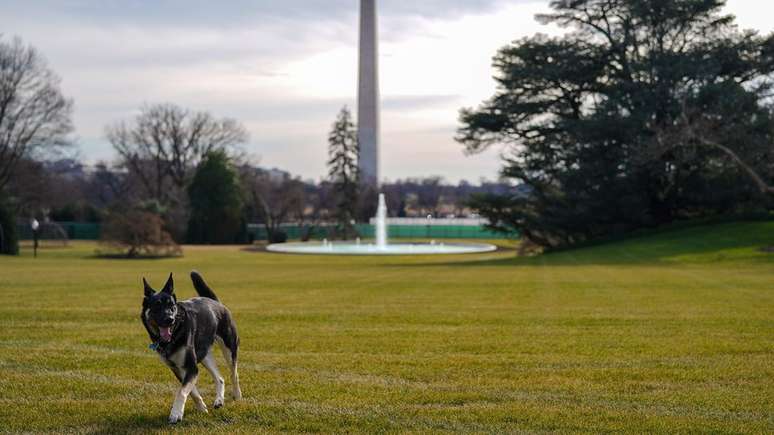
<point x="148" y="289"/>
<point x="169" y="287"/>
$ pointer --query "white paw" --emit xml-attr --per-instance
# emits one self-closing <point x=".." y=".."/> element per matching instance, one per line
<point x="175" y="417"/>
<point x="218" y="403"/>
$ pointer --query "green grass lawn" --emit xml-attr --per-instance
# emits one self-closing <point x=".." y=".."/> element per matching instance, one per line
<point x="673" y="332"/>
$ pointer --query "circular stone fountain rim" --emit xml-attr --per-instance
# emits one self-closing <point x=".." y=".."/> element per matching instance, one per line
<point x="368" y="249"/>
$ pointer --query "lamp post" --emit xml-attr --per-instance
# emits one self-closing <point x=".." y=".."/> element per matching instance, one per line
<point x="35" y="225"/>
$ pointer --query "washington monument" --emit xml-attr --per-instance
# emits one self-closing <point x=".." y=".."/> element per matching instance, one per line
<point x="368" y="94"/>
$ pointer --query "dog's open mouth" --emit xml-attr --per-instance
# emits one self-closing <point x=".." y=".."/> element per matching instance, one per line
<point x="166" y="333"/>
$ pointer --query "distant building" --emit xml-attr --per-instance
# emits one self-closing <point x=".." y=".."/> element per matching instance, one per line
<point x="277" y="175"/>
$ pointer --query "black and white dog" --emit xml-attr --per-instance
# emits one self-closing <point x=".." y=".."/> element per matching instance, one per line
<point x="184" y="333"/>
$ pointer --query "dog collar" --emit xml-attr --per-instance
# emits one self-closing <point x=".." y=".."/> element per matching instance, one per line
<point x="154" y="346"/>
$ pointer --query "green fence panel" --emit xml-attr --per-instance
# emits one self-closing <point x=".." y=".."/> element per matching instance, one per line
<point x="82" y="231"/>
<point x="367" y="231"/>
<point x="92" y="231"/>
<point x="73" y="230"/>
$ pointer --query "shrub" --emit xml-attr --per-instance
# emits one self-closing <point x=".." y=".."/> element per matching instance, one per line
<point x="137" y="233"/>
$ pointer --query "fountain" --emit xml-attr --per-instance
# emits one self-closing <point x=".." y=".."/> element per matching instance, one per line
<point x="381" y="246"/>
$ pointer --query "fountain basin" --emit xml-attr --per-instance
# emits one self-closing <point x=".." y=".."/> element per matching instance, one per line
<point x="382" y="245"/>
<point x="350" y="248"/>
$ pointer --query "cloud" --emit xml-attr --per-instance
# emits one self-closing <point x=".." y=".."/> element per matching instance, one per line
<point x="417" y="102"/>
<point x="285" y="68"/>
<point x="235" y="12"/>
<point x="752" y="14"/>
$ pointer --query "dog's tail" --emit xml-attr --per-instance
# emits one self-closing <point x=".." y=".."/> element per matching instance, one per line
<point x="201" y="287"/>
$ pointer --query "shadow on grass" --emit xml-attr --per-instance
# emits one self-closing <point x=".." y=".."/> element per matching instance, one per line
<point x="136" y="424"/>
<point x="745" y="242"/>
<point x="215" y="421"/>
<point x="135" y="258"/>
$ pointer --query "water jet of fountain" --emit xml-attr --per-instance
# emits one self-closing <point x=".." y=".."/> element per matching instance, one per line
<point x="381" y="223"/>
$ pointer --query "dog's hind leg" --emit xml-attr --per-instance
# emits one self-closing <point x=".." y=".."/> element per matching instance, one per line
<point x="220" y="385"/>
<point x="231" y="359"/>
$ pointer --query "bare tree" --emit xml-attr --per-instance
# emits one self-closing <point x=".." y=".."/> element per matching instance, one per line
<point x="34" y="115"/>
<point x="165" y="142"/>
<point x="107" y="185"/>
<point x="275" y="199"/>
<point x="430" y="191"/>
<point x="318" y="209"/>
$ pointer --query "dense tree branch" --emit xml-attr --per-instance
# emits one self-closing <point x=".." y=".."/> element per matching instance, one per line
<point x="694" y="133"/>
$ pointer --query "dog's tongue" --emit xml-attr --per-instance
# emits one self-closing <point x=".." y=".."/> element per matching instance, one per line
<point x="166" y="334"/>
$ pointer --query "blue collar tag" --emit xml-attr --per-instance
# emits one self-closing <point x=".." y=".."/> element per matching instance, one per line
<point x="154" y="347"/>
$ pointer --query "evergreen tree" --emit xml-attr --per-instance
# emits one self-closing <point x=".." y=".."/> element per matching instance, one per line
<point x="343" y="154"/>
<point x="603" y="123"/>
<point x="216" y="202"/>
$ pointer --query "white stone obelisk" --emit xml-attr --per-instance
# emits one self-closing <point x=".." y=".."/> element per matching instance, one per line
<point x="368" y="94"/>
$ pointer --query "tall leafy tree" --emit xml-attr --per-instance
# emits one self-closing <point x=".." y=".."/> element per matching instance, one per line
<point x="343" y="154"/>
<point x="216" y="202"/>
<point x="596" y="122"/>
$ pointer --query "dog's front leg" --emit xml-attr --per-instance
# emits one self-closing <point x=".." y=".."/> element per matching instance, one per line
<point x="199" y="401"/>
<point x="197" y="397"/>
<point x="191" y="375"/>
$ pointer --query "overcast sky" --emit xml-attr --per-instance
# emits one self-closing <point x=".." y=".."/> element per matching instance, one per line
<point x="285" y="68"/>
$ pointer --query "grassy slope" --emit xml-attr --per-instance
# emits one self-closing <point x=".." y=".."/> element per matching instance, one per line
<point x="672" y="332"/>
